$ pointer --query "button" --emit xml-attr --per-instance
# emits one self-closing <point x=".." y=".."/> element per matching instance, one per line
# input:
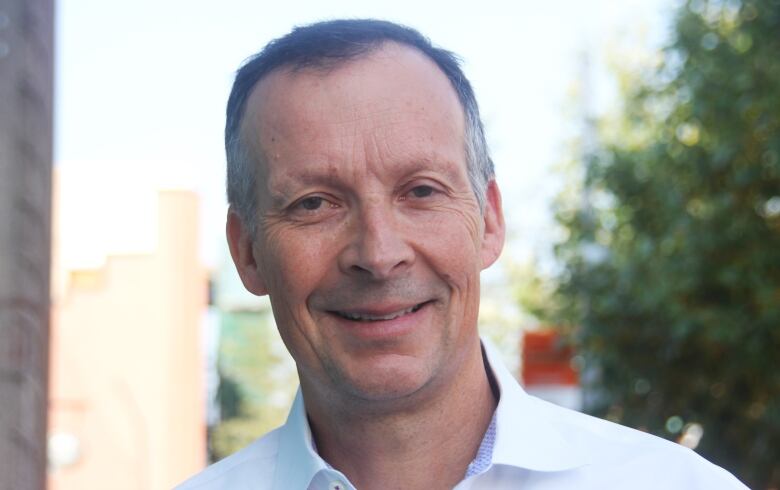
<point x="337" y="485"/>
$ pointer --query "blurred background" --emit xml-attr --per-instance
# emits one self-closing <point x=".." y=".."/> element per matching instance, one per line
<point x="636" y="143"/>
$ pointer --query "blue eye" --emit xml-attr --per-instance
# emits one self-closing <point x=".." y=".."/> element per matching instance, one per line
<point x="311" y="203"/>
<point x="422" y="191"/>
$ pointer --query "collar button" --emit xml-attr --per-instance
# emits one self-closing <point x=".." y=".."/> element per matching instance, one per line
<point x="337" y="485"/>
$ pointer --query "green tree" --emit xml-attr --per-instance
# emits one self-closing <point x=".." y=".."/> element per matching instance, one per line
<point x="257" y="381"/>
<point x="671" y="266"/>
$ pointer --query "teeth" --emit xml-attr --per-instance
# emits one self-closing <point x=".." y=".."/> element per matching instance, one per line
<point x="362" y="317"/>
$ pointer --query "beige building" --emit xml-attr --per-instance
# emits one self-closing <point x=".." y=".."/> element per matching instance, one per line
<point x="126" y="389"/>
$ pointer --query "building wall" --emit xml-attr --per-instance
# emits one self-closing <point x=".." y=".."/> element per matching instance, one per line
<point x="126" y="363"/>
<point x="26" y="74"/>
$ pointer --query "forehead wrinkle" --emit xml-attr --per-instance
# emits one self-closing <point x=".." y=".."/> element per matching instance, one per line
<point x="285" y="186"/>
<point x="349" y="151"/>
<point x="352" y="134"/>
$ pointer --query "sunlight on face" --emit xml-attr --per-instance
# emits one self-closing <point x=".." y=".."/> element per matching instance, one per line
<point x="371" y="240"/>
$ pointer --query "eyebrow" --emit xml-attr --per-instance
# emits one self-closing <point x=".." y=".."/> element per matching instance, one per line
<point x="317" y="175"/>
<point x="328" y="175"/>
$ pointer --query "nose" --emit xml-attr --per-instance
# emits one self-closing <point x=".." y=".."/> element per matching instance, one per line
<point x="378" y="246"/>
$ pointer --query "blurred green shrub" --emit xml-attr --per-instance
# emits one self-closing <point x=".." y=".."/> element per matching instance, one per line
<point x="672" y="250"/>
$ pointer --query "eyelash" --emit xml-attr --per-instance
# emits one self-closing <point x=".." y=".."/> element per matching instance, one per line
<point x="300" y="205"/>
<point x="432" y="190"/>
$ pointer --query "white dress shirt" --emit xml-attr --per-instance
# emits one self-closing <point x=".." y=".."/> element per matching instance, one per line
<point x="537" y="446"/>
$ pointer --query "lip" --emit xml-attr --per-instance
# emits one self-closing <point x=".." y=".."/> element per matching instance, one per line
<point x="382" y="322"/>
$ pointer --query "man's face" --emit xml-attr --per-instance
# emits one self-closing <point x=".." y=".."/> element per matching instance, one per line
<point x="370" y="239"/>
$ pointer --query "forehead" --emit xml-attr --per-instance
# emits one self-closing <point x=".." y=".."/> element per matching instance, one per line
<point x="393" y="91"/>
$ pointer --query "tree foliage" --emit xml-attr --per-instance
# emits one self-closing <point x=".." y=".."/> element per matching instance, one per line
<point x="257" y="381"/>
<point x="672" y="260"/>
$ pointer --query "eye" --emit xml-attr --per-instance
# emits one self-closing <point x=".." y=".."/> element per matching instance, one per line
<point x="313" y="206"/>
<point x="421" y="191"/>
<point x="311" y="203"/>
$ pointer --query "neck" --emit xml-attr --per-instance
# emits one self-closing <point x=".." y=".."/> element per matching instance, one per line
<point x="428" y="444"/>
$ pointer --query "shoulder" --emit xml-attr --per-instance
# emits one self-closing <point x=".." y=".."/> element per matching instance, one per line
<point x="624" y="456"/>
<point x="253" y="465"/>
<point x="548" y="446"/>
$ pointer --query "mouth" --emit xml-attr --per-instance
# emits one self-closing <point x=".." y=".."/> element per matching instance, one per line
<point x="365" y="316"/>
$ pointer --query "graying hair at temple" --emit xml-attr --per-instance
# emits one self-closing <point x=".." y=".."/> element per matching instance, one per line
<point x="326" y="45"/>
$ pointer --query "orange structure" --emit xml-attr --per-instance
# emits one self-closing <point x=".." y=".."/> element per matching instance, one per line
<point x="126" y="393"/>
<point x="546" y="360"/>
<point x="547" y="369"/>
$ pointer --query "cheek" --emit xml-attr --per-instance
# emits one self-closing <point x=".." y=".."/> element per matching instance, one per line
<point x="451" y="253"/>
<point x="294" y="262"/>
<point x="452" y="238"/>
<point x="291" y="266"/>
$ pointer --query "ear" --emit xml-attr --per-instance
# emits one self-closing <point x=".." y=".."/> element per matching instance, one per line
<point x="241" y="245"/>
<point x="493" y="235"/>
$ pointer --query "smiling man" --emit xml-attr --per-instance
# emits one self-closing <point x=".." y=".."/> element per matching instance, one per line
<point x="363" y="202"/>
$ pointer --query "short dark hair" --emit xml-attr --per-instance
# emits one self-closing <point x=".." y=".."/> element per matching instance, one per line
<point x="327" y="45"/>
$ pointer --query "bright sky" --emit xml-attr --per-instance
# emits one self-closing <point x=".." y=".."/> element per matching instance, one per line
<point x="141" y="89"/>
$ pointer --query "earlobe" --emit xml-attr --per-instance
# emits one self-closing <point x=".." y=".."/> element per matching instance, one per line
<point x="241" y="246"/>
<point x="493" y="236"/>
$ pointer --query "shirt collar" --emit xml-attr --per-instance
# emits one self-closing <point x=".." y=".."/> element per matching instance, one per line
<point x="298" y="462"/>
<point x="527" y="435"/>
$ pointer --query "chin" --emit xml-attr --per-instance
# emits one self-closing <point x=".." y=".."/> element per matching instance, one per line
<point x="385" y="383"/>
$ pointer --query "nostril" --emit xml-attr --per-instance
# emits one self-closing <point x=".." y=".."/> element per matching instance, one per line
<point x="359" y="269"/>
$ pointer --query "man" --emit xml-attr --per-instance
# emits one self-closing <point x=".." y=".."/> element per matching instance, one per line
<point x="363" y="202"/>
